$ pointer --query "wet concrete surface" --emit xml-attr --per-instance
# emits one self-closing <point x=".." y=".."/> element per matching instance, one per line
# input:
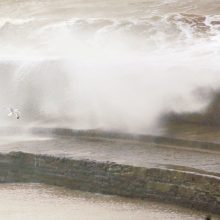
<point x="117" y="150"/>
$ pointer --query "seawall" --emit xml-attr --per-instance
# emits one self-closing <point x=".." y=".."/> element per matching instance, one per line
<point x="190" y="189"/>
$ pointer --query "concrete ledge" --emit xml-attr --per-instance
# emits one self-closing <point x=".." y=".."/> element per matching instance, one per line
<point x="186" y="188"/>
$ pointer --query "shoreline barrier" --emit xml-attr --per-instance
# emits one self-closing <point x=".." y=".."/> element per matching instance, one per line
<point x="189" y="189"/>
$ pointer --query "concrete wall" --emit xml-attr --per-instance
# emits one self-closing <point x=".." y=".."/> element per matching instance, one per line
<point x="189" y="189"/>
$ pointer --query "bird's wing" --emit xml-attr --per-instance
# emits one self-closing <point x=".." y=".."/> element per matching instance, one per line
<point x="10" y="114"/>
<point x="16" y="111"/>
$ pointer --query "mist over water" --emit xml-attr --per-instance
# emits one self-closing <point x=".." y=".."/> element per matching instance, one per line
<point x="107" y="64"/>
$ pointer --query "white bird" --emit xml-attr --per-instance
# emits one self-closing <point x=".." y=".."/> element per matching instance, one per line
<point x="14" y="111"/>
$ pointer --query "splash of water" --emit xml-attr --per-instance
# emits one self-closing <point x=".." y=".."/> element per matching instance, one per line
<point x="84" y="66"/>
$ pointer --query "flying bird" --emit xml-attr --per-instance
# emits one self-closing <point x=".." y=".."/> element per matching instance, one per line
<point x="13" y="112"/>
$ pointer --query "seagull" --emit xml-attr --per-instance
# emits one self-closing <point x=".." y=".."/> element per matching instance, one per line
<point x="13" y="111"/>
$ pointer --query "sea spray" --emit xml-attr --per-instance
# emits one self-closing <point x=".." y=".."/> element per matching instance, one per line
<point x="81" y="67"/>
